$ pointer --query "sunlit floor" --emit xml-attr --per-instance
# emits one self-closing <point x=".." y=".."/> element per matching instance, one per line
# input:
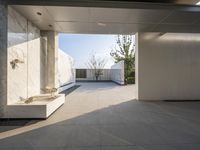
<point x="105" y="116"/>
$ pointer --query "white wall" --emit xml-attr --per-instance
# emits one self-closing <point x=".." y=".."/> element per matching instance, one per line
<point x="42" y="63"/>
<point x="117" y="72"/>
<point x="66" y="71"/>
<point x="23" y="44"/>
<point x="168" y="66"/>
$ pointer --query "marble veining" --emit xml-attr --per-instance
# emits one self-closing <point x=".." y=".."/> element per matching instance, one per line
<point x="24" y="45"/>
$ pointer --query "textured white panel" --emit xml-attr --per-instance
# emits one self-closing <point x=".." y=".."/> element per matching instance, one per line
<point x="117" y="72"/>
<point x="24" y="45"/>
<point x="66" y="71"/>
<point x="17" y="49"/>
<point x="33" y="60"/>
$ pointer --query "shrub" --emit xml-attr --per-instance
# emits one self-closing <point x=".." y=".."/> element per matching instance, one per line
<point x="132" y="74"/>
<point x="131" y="80"/>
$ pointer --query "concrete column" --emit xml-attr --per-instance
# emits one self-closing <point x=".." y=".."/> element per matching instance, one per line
<point x="137" y="65"/>
<point x="3" y="55"/>
<point x="50" y="55"/>
<point x="43" y="63"/>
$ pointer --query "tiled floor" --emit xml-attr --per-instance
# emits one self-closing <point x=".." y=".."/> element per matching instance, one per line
<point x="105" y="116"/>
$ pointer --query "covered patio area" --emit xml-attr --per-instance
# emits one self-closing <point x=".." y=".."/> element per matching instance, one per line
<point x="150" y="115"/>
<point x="105" y="116"/>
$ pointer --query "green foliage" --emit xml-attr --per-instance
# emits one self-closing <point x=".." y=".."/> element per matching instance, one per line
<point x="125" y="51"/>
<point x="132" y="74"/>
<point x="131" y="80"/>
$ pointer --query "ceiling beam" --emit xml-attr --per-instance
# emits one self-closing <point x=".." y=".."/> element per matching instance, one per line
<point x="131" y="4"/>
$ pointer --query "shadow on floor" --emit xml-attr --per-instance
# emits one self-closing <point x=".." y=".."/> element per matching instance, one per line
<point x="132" y="125"/>
<point x="10" y="124"/>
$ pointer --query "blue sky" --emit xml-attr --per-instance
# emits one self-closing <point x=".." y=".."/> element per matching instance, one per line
<point x="81" y="46"/>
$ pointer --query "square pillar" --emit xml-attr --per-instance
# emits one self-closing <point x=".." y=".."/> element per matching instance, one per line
<point x="50" y="58"/>
<point x="3" y="55"/>
<point x="137" y="65"/>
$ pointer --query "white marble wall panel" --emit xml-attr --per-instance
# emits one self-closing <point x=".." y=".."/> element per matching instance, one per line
<point x="117" y="72"/>
<point x="17" y="49"/>
<point x="23" y="45"/>
<point x="33" y="60"/>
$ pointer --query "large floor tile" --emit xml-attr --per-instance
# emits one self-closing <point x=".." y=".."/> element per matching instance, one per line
<point x="105" y="116"/>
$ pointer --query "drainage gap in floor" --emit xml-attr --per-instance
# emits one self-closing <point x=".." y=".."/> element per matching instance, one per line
<point x="70" y="90"/>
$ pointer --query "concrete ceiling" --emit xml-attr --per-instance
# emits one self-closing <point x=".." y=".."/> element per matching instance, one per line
<point x="98" y="3"/>
<point x="111" y="20"/>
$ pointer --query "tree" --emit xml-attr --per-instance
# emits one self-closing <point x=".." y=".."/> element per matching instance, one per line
<point x="125" y="51"/>
<point x="96" y="64"/>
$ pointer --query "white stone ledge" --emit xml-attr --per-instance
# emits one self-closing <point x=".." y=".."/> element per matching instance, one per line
<point x="36" y="109"/>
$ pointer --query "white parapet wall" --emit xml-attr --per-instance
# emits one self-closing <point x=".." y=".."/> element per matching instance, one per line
<point x="168" y="66"/>
<point x="117" y="73"/>
<point x="89" y="75"/>
<point x="66" y="71"/>
<point x="105" y="75"/>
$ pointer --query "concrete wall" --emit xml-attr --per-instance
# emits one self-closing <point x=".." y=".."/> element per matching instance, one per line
<point x="3" y="56"/>
<point x="168" y="66"/>
<point x="106" y="76"/>
<point x="117" y="72"/>
<point x="50" y="53"/>
<point x="66" y="71"/>
<point x="24" y="45"/>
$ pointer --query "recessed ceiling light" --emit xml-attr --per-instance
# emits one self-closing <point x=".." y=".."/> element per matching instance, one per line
<point x="198" y="3"/>
<point x="101" y="24"/>
<point x="39" y="13"/>
<point x="50" y="26"/>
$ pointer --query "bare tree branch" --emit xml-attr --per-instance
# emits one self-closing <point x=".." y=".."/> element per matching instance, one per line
<point x="96" y="64"/>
